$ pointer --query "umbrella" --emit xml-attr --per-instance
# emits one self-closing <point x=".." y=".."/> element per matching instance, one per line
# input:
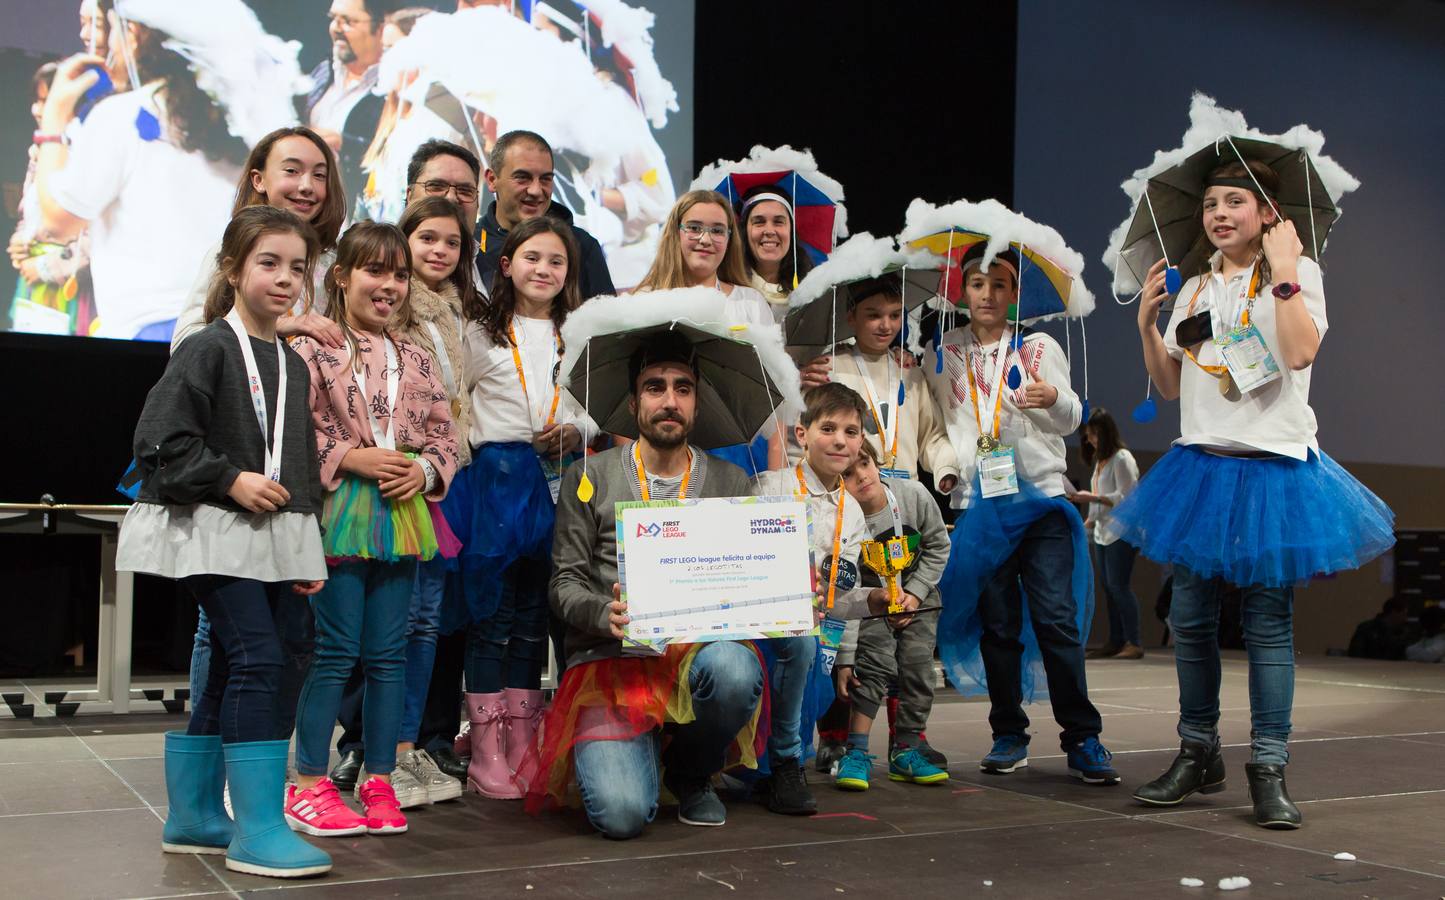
<point x="744" y="375"/>
<point x="817" y="310"/>
<point x="1050" y="282"/>
<point x="1166" y="220"/>
<point x="819" y="217"/>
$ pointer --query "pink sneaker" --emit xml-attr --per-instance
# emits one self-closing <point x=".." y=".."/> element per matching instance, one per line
<point x="383" y="813"/>
<point x="320" y="811"/>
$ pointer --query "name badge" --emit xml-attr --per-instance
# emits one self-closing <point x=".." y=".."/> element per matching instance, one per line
<point x="552" y="470"/>
<point x="997" y="475"/>
<point x="1250" y="363"/>
<point x="899" y="474"/>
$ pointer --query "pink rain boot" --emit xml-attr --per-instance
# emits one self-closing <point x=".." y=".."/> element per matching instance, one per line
<point x="487" y="773"/>
<point x="524" y="714"/>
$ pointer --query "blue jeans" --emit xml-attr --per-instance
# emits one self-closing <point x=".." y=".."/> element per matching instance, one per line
<point x="238" y="701"/>
<point x="510" y="648"/>
<point x="1116" y="567"/>
<point x="618" y="779"/>
<point x="787" y="681"/>
<point x="423" y="619"/>
<point x="296" y="628"/>
<point x="1043" y="564"/>
<point x="361" y="613"/>
<point x="1268" y="615"/>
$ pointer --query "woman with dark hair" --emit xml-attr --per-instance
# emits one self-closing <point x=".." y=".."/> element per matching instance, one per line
<point x="765" y="214"/>
<point x="1113" y="474"/>
<point x="151" y="170"/>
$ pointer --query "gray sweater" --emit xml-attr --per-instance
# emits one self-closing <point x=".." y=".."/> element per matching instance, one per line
<point x="919" y="513"/>
<point x="584" y="545"/>
<point x="198" y="430"/>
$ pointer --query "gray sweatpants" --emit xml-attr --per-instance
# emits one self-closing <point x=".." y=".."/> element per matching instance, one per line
<point x="907" y="656"/>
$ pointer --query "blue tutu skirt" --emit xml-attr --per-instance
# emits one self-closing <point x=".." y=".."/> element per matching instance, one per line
<point x="751" y="458"/>
<point x="501" y="510"/>
<point x="1273" y="521"/>
<point x="983" y="539"/>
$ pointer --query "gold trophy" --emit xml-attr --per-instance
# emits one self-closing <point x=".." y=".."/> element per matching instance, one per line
<point x="888" y="560"/>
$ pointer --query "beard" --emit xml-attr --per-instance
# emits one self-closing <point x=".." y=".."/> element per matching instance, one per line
<point x="657" y="437"/>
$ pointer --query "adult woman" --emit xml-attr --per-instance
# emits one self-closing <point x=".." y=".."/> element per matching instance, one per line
<point x="774" y="268"/>
<point x="1113" y="474"/>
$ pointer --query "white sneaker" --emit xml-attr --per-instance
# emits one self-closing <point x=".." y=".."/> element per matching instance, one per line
<point x="409" y="792"/>
<point x="439" y="785"/>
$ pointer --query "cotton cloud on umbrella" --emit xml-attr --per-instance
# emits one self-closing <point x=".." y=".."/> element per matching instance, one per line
<point x="627" y="30"/>
<point x="1217" y="135"/>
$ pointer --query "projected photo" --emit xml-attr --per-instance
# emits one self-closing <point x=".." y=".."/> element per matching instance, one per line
<point x="144" y="117"/>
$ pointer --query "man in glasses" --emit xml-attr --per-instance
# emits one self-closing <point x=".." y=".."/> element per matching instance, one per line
<point x="341" y="105"/>
<point x="519" y="173"/>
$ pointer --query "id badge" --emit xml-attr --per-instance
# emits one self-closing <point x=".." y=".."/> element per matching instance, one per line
<point x="552" y="471"/>
<point x="997" y="475"/>
<point x="1250" y="363"/>
<point x="896" y="474"/>
<point x="830" y="639"/>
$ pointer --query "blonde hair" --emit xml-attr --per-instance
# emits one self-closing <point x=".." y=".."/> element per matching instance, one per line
<point x="668" y="271"/>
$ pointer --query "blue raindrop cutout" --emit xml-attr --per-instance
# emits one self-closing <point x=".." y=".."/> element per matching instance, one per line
<point x="1084" y="415"/>
<point x="147" y="126"/>
<point x="1145" y="412"/>
<point x="1173" y="281"/>
<point x="900" y="394"/>
<point x="938" y="347"/>
<point x="1014" y="378"/>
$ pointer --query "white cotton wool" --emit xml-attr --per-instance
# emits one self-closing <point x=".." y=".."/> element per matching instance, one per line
<point x="1234" y="883"/>
<point x="1191" y="882"/>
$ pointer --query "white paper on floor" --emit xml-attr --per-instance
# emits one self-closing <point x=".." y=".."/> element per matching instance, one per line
<point x="1234" y="883"/>
<point x="1191" y="882"/>
<point x="1345" y="856"/>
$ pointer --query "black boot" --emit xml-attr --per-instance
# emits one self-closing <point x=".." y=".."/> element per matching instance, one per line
<point x="786" y="790"/>
<point x="1272" y="806"/>
<point x="1198" y="767"/>
<point x="347" y="769"/>
<point x="449" y="763"/>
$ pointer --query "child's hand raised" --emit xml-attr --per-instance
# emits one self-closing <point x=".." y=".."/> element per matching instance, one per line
<point x="817" y="372"/>
<point x="257" y="493"/>
<point x="1282" y="249"/>
<point x="1039" y="394"/>
<point x="1153" y="294"/>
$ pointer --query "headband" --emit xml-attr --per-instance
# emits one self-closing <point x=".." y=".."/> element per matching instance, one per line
<point x="1230" y="181"/>
<point x="767" y="195"/>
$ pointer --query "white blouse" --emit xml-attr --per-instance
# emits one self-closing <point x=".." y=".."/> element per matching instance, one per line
<point x="1113" y="478"/>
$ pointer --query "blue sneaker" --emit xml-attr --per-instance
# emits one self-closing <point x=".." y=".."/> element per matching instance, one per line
<point x="1009" y="752"/>
<point x="908" y="764"/>
<point x="853" y="770"/>
<point x="1089" y="762"/>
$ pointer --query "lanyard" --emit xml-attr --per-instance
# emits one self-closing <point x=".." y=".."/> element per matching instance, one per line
<point x="1254" y="278"/>
<point x="386" y="440"/>
<point x="271" y="445"/>
<point x="442" y="358"/>
<point x="887" y="443"/>
<point x="522" y="375"/>
<point x="837" y="532"/>
<point x="642" y="474"/>
<point x="1002" y="361"/>
<point x="894" y="509"/>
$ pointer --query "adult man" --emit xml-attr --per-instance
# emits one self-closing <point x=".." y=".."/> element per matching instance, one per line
<point x="520" y="175"/>
<point x="341" y="105"/>
<point x="443" y="169"/>
<point x="615" y="747"/>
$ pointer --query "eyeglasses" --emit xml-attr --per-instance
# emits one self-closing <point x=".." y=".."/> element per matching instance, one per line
<point x="695" y="231"/>
<point x="465" y="192"/>
<point x="348" y="22"/>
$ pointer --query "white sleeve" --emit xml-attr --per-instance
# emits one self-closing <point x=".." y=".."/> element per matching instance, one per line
<point x="1126" y="476"/>
<point x="95" y="170"/>
<point x="193" y="315"/>
<point x="1063" y="417"/>
<point x="1312" y="292"/>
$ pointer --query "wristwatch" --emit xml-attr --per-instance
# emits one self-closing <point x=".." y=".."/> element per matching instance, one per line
<point x="1286" y="290"/>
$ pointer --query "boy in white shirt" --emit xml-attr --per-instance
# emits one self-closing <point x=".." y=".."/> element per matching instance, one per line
<point x="1007" y="403"/>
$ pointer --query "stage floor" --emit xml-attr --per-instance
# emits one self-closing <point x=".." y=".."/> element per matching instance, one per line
<point x="82" y="800"/>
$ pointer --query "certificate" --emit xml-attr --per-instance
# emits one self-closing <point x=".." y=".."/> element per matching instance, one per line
<point x="717" y="569"/>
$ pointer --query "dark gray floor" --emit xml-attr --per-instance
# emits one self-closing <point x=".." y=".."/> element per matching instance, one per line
<point x="82" y="800"/>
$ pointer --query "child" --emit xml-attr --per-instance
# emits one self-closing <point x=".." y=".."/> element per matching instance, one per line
<point x="1245" y="497"/>
<point x="1021" y="533"/>
<point x="228" y="507"/>
<point x="885" y="652"/>
<point x="384" y="434"/>
<point x="523" y="427"/>
<point x="830" y="431"/>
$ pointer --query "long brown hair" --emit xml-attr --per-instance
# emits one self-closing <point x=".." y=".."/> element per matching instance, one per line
<point x="495" y="315"/>
<point x="1106" y="433"/>
<point x="328" y="219"/>
<point x="441" y="208"/>
<point x="1267" y="178"/>
<point x="668" y="271"/>
<point x="362" y="244"/>
<point x="246" y="228"/>
<point x="197" y="123"/>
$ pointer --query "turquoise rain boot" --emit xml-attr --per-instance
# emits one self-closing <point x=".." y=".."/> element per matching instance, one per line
<point x="195" y="778"/>
<point x="264" y="844"/>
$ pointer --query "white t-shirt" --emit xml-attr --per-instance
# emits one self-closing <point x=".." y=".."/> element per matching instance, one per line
<point x="501" y="410"/>
<point x="746" y="306"/>
<point x="1114" y="479"/>
<point x="850" y="600"/>
<point x="1035" y="434"/>
<point x="153" y="208"/>
<point x="1275" y="418"/>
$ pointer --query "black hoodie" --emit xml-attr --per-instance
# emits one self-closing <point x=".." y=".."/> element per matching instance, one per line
<point x="594" y="280"/>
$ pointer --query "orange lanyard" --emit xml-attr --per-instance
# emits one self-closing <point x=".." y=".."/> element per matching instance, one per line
<point x="837" y="533"/>
<point x="522" y="377"/>
<point x="973" y="391"/>
<point x="642" y="474"/>
<point x="892" y="454"/>
<point x="1218" y="371"/>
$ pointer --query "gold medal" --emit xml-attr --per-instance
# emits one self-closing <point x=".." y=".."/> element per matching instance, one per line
<point x="987" y="443"/>
<point x="1226" y="385"/>
<point x="456" y="407"/>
